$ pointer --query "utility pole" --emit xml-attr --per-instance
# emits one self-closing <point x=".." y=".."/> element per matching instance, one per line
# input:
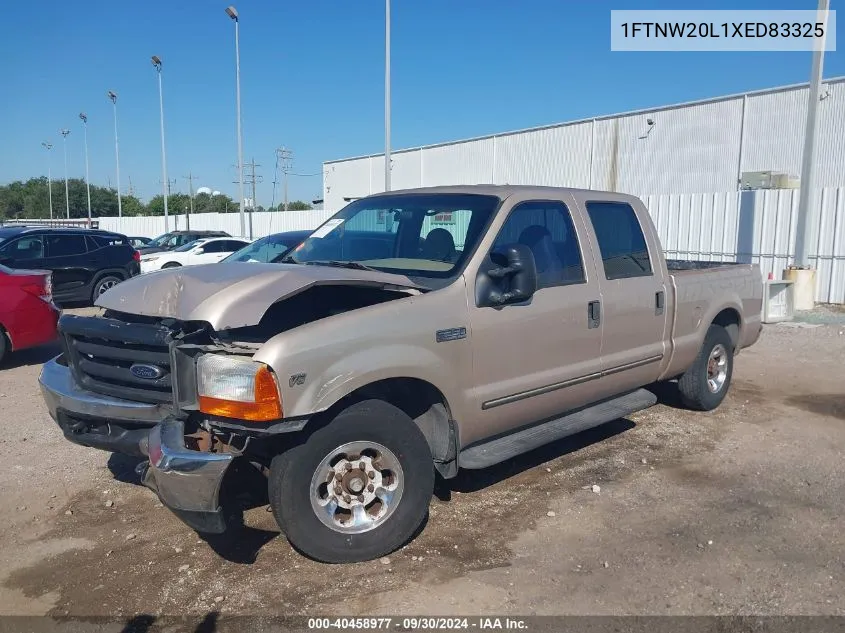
<point x="190" y="178"/>
<point x="284" y="161"/>
<point x="131" y="190"/>
<point x="387" y="163"/>
<point x="251" y="178"/>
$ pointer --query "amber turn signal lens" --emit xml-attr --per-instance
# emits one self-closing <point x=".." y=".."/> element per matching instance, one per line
<point x="264" y="406"/>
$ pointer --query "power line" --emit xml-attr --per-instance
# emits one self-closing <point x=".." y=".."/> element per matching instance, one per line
<point x="251" y="178"/>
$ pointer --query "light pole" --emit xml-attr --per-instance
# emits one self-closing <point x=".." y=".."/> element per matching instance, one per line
<point x="113" y="98"/>
<point x="48" y="147"/>
<point x="807" y="210"/>
<point x="84" y="119"/>
<point x="233" y="13"/>
<point x="387" y="95"/>
<point x="65" y="132"/>
<point x="157" y="63"/>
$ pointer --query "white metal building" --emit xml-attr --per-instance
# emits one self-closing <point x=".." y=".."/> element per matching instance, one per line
<point x="697" y="147"/>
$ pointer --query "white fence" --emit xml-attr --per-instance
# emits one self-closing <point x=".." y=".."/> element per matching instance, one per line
<point x="752" y="226"/>
<point x="263" y="223"/>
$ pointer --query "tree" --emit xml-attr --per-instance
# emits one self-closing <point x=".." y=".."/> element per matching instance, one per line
<point x="296" y="205"/>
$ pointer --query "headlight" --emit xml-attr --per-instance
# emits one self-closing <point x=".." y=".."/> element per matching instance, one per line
<point x="237" y="388"/>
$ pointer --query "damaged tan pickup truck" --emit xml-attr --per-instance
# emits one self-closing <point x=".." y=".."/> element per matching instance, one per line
<point x="414" y="332"/>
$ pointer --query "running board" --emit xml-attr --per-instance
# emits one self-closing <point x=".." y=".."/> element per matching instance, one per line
<point x="505" y="447"/>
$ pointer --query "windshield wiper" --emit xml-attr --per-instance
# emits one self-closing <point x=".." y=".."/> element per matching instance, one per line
<point x="338" y="264"/>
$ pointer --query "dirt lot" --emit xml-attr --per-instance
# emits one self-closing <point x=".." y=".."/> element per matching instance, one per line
<point x="737" y="511"/>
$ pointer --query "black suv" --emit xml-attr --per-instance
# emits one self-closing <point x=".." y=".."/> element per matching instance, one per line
<point x="85" y="262"/>
<point x="175" y="239"/>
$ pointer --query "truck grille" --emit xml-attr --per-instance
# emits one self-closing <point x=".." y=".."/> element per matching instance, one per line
<point x="101" y="353"/>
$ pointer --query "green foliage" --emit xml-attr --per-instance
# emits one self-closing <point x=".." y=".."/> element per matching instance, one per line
<point x="30" y="200"/>
<point x="295" y="205"/>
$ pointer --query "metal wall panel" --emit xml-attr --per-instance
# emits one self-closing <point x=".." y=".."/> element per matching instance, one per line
<point x="468" y="163"/>
<point x="692" y="149"/>
<point x="351" y="179"/>
<point x="554" y="157"/>
<point x="406" y="172"/>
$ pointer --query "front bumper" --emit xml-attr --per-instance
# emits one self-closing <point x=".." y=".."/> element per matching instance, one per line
<point x="96" y="420"/>
<point x="188" y="482"/>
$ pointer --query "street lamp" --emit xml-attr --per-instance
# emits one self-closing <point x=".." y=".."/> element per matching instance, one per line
<point x="387" y="165"/>
<point x="157" y="64"/>
<point x="113" y="98"/>
<point x="64" y="133"/>
<point x="48" y="147"/>
<point x="233" y="13"/>
<point x="84" y="119"/>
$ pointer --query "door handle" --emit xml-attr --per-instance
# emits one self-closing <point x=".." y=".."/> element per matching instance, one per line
<point x="659" y="302"/>
<point x="593" y="314"/>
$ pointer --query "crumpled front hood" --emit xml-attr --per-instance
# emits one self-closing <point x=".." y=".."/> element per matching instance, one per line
<point x="230" y="295"/>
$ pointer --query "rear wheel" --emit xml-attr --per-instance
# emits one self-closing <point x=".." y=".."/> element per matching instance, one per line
<point x="103" y="284"/>
<point x="4" y="344"/>
<point x="705" y="384"/>
<point x="356" y="489"/>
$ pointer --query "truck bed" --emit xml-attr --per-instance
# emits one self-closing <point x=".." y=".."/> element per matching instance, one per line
<point x="677" y="265"/>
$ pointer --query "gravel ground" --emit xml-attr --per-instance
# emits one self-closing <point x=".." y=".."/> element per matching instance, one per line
<point x="738" y="511"/>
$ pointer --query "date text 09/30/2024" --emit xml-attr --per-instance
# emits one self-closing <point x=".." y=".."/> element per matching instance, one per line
<point x="417" y="624"/>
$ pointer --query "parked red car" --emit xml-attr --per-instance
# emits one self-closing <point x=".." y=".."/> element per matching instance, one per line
<point x="28" y="315"/>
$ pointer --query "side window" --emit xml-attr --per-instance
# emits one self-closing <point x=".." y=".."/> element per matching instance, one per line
<point x="233" y="245"/>
<point x="24" y="248"/>
<point x="623" y="248"/>
<point x="546" y="228"/>
<point x="65" y="245"/>
<point x="213" y="247"/>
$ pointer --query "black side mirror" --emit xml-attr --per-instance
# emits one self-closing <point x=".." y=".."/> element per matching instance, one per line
<point x="514" y="282"/>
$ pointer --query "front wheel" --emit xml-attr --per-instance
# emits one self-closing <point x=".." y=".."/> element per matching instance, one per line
<point x="356" y="489"/>
<point x="705" y="384"/>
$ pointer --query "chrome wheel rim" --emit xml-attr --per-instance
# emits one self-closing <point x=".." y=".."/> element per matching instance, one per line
<point x="717" y="368"/>
<point x="105" y="285"/>
<point x="357" y="487"/>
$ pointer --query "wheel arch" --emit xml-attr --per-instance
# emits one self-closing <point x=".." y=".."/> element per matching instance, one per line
<point x="730" y="319"/>
<point x="421" y="401"/>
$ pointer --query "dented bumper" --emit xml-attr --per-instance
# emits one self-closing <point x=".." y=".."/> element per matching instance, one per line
<point x="188" y="482"/>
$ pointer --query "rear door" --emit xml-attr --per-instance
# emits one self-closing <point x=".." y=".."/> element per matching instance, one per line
<point x="538" y="358"/>
<point x="633" y="292"/>
<point x="73" y="269"/>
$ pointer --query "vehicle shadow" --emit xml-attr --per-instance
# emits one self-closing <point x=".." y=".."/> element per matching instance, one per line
<point x="667" y="393"/>
<point x="148" y="623"/>
<point x="31" y="356"/>
<point x="122" y="468"/>
<point x="475" y="480"/>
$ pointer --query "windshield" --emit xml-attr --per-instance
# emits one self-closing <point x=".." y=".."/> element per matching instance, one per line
<point x="186" y="247"/>
<point x="418" y="235"/>
<point x="160" y="240"/>
<point x="264" y="250"/>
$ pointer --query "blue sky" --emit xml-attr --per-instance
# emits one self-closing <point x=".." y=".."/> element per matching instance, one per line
<point x="312" y="79"/>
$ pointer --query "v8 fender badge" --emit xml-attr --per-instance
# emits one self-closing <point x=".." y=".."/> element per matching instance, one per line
<point x="296" y="379"/>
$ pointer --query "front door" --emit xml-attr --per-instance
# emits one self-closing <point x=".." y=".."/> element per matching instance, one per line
<point x="538" y="358"/>
<point x="25" y="252"/>
<point x="633" y="294"/>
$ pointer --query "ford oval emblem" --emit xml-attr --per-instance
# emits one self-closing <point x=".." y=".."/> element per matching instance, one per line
<point x="147" y="372"/>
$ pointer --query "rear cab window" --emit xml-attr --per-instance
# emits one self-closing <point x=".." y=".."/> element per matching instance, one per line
<point x="622" y="243"/>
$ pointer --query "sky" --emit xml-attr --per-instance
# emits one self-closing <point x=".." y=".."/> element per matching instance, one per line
<point x="312" y="80"/>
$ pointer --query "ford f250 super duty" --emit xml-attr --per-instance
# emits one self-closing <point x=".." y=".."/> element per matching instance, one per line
<point x="414" y="332"/>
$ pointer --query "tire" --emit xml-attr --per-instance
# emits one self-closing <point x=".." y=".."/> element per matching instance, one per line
<point x="104" y="283"/>
<point x="4" y="344"/>
<point x="171" y="265"/>
<point x="397" y="461"/>
<point x="705" y="384"/>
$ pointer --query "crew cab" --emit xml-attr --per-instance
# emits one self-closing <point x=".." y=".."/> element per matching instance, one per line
<point x="414" y="332"/>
